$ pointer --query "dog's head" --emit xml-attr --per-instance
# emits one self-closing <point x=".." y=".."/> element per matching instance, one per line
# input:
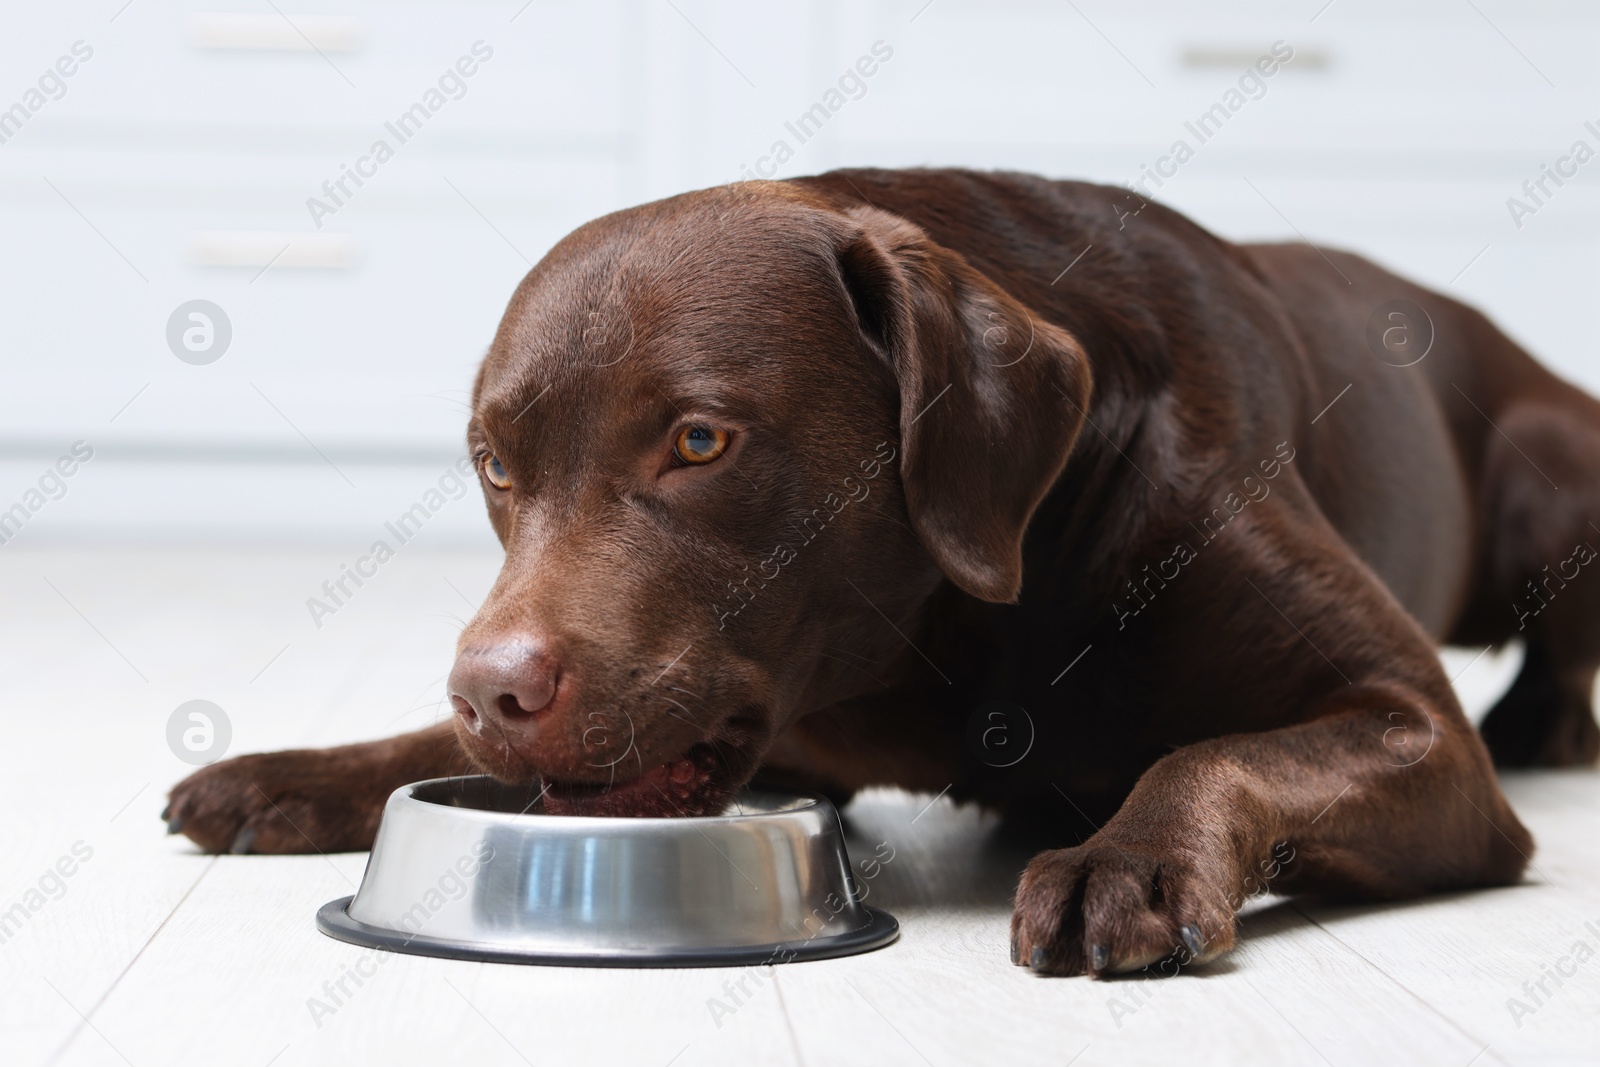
<point x="731" y="442"/>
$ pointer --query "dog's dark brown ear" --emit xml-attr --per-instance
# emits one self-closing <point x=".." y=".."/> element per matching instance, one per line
<point x="991" y="397"/>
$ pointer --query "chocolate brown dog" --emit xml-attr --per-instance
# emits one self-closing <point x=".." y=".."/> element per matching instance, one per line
<point x="1024" y="489"/>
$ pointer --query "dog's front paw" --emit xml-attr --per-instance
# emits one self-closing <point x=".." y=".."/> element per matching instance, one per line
<point x="1106" y="909"/>
<point x="278" y="802"/>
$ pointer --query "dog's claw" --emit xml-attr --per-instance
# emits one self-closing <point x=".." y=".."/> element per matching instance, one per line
<point x="1192" y="940"/>
<point x="1036" y="962"/>
<point x="241" y="844"/>
<point x="1016" y="950"/>
<point x="166" y="813"/>
<point x="1099" y="957"/>
<point x="174" y="826"/>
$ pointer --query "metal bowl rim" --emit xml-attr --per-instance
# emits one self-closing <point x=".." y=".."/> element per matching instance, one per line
<point x="880" y="930"/>
<point x="407" y="795"/>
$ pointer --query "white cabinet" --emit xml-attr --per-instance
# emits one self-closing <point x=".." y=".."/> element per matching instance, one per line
<point x="180" y="157"/>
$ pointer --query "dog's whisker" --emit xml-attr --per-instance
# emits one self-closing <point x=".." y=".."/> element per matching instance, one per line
<point x="680" y="707"/>
<point x="855" y="667"/>
<point x="852" y="655"/>
<point x="452" y="616"/>
<point x="697" y="725"/>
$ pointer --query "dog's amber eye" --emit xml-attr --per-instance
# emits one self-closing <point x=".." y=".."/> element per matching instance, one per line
<point x="496" y="472"/>
<point x="700" y="444"/>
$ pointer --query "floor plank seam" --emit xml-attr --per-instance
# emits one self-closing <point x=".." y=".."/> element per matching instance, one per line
<point x="89" y="1015"/>
<point x="788" y="1023"/>
<point x="1482" y="1045"/>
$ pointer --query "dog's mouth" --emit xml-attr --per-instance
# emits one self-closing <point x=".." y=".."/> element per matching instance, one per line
<point x="700" y="780"/>
<point x="696" y="783"/>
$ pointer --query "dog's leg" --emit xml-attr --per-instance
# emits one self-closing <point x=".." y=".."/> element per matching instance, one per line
<point x="1542" y="510"/>
<point x="1546" y="719"/>
<point x="1377" y="786"/>
<point x="307" y="800"/>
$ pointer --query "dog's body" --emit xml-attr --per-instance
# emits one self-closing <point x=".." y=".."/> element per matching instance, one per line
<point x="1027" y="490"/>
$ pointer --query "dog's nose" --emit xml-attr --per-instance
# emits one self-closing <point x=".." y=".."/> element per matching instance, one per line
<point x="508" y="681"/>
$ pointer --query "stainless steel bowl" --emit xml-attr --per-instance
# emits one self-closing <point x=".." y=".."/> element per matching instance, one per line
<point x="469" y="868"/>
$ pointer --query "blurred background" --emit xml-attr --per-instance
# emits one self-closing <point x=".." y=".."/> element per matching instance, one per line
<point x="255" y="250"/>
<point x="177" y="162"/>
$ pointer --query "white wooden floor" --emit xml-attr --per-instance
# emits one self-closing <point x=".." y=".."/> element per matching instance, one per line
<point x="151" y="954"/>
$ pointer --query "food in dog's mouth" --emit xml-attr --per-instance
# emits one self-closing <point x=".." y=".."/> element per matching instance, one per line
<point x="688" y="785"/>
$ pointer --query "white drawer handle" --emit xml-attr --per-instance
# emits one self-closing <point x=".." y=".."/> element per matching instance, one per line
<point x="274" y="32"/>
<point x="1203" y="58"/>
<point x="259" y="248"/>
